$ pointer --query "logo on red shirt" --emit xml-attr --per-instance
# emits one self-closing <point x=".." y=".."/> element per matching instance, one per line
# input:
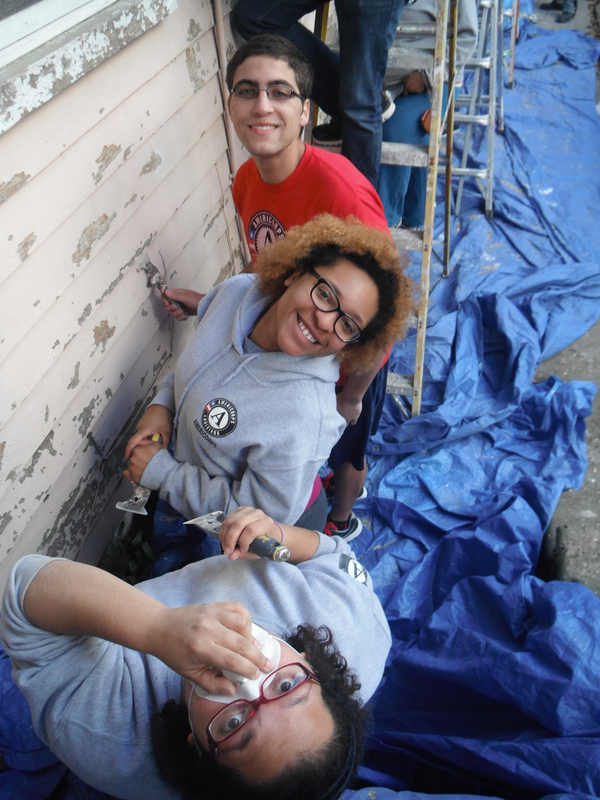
<point x="264" y="228"/>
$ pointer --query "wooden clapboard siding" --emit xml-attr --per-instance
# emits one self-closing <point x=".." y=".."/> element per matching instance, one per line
<point x="134" y="175"/>
<point x="76" y="496"/>
<point x="72" y="461"/>
<point x="96" y="96"/>
<point x="95" y="387"/>
<point x="129" y="161"/>
<point x="83" y="295"/>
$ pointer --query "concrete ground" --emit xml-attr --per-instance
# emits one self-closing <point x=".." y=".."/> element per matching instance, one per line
<point x="572" y="544"/>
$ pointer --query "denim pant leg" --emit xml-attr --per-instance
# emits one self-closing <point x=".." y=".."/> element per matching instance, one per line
<point x="403" y="126"/>
<point x="403" y="189"/>
<point x="251" y="17"/>
<point x="367" y="29"/>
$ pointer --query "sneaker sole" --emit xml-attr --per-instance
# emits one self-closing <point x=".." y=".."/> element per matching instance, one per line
<point x="388" y="112"/>
<point x="350" y="536"/>
<point x="331" y="143"/>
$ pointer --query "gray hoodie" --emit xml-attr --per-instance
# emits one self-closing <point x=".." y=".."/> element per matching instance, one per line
<point x="425" y="11"/>
<point x="251" y="427"/>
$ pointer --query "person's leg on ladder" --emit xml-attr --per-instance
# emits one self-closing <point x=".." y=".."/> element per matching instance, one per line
<point x="251" y="17"/>
<point x="367" y="30"/>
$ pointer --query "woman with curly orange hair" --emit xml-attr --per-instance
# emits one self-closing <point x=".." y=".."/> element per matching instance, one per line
<point x="251" y="407"/>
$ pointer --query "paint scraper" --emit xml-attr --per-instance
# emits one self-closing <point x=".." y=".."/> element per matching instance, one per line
<point x="156" y="279"/>
<point x="137" y="502"/>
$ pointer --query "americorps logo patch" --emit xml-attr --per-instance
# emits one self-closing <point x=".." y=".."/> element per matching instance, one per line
<point x="264" y="228"/>
<point x="353" y="568"/>
<point x="219" y="417"/>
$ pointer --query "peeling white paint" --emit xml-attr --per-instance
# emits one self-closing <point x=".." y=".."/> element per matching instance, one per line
<point x="85" y="361"/>
<point x="25" y="84"/>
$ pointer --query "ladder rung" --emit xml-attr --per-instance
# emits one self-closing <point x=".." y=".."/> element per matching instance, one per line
<point x="465" y="100"/>
<point x="469" y="172"/>
<point x="407" y="239"/>
<point x="484" y="63"/>
<point x="457" y="171"/>
<point x="421" y="28"/>
<point x="408" y="155"/>
<point x="410" y="57"/>
<point x="399" y="384"/>
<point x="478" y="119"/>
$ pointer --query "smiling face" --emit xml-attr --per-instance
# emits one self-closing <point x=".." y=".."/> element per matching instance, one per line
<point x="294" y="325"/>
<point x="268" y="129"/>
<point x="277" y="734"/>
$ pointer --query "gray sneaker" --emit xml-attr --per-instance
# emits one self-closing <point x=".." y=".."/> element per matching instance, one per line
<point x="351" y="530"/>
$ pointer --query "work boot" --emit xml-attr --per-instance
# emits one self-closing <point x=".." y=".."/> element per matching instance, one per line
<point x="555" y="5"/>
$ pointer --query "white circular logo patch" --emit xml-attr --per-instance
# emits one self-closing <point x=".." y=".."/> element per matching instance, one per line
<point x="264" y="228"/>
<point x="219" y="417"/>
<point x="353" y="568"/>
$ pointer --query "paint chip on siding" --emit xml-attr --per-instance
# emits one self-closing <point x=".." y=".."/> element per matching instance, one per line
<point x="45" y="445"/>
<point x="75" y="378"/>
<point x="154" y="162"/>
<point x="194" y="69"/>
<point x="86" y="312"/>
<point x="25" y="246"/>
<point x="102" y="333"/>
<point x="95" y="231"/>
<point x="106" y="157"/>
<point x="194" y="30"/>
<point x="87" y="417"/>
<point x="13" y="185"/>
<point x="5" y="520"/>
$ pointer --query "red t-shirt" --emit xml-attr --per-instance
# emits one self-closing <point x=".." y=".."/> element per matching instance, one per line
<point x="321" y="183"/>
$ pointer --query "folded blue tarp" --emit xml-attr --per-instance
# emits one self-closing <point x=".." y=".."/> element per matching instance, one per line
<point x="493" y="676"/>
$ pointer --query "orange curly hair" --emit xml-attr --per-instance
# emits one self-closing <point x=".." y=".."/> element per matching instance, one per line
<point x="325" y="240"/>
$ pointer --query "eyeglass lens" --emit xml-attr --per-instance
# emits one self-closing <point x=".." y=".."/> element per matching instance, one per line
<point x="325" y="299"/>
<point x="278" y="684"/>
<point x="278" y="92"/>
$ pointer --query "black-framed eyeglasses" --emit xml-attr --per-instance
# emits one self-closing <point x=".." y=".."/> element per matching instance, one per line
<point x="276" y="92"/>
<point x="278" y="684"/>
<point x="325" y="299"/>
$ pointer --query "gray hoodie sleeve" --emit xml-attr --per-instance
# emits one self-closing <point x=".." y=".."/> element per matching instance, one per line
<point x="280" y="493"/>
<point x="165" y="394"/>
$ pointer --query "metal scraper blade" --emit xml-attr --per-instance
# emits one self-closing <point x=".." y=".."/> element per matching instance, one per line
<point x="137" y="502"/>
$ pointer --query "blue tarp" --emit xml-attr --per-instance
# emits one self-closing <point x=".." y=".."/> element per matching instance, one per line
<point x="494" y="675"/>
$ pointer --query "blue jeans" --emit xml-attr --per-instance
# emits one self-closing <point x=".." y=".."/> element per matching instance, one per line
<point x="348" y="85"/>
<point x="402" y="189"/>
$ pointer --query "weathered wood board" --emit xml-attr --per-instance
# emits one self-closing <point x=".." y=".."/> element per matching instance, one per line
<point x="130" y="160"/>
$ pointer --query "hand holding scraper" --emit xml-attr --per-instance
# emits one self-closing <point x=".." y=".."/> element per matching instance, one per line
<point x="157" y="280"/>
<point x="137" y="502"/>
<point x="263" y="546"/>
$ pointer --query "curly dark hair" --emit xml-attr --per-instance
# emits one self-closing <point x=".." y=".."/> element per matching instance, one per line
<point x="309" y="778"/>
<point x="273" y="46"/>
<point x="323" y="242"/>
